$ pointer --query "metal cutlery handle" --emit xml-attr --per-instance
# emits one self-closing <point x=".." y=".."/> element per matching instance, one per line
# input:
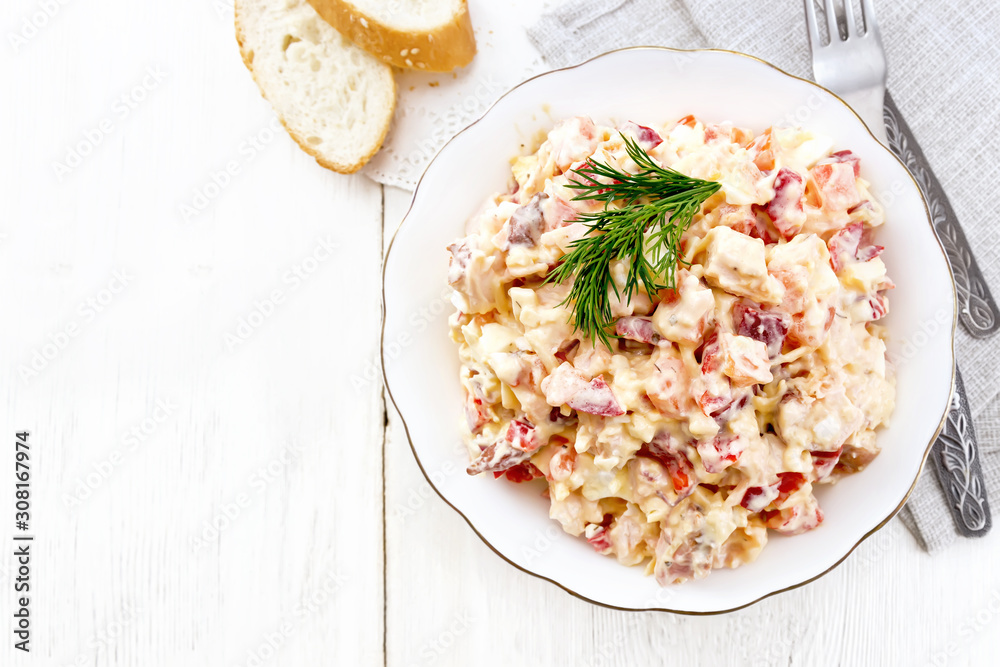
<point x="978" y="311"/>
<point x="955" y="456"/>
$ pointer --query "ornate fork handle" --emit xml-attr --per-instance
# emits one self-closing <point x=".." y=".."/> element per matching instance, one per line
<point x="956" y="461"/>
<point x="977" y="309"/>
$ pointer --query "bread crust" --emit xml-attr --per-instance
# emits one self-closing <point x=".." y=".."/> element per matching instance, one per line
<point x="443" y="49"/>
<point x="339" y="167"/>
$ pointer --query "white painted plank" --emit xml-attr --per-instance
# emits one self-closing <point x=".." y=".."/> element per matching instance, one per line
<point x="118" y="580"/>
<point x="267" y="436"/>
<point x="451" y="601"/>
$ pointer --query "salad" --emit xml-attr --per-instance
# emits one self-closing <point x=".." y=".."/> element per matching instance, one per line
<point x="711" y="408"/>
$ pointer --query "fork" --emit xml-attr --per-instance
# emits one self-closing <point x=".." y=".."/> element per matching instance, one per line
<point x="852" y="64"/>
<point x="854" y="67"/>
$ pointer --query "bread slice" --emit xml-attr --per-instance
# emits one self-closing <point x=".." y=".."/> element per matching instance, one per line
<point x="431" y="35"/>
<point x="335" y="99"/>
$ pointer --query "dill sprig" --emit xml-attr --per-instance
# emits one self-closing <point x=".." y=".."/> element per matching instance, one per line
<point x="645" y="214"/>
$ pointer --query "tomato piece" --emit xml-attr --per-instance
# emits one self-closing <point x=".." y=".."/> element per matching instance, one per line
<point x="566" y="349"/>
<point x="713" y="405"/>
<point x="637" y="328"/>
<point x="786" y="209"/>
<point x="851" y="243"/>
<point x="557" y="212"/>
<point x="566" y="385"/>
<point x="721" y="451"/>
<point x="824" y="462"/>
<point x="763" y="154"/>
<point x="878" y="307"/>
<point x="521" y="435"/>
<point x="756" y="498"/>
<point x="476" y="415"/>
<point x="597" y="399"/>
<point x="600" y="540"/>
<point x="837" y="185"/>
<point x="711" y="354"/>
<point x="723" y="414"/>
<point x="646" y="137"/>
<point x="756" y="226"/>
<point x="688" y="120"/>
<point x="563" y="463"/>
<point x="667" y="389"/>
<point x="497" y="456"/>
<point x="523" y="472"/>
<point x="676" y="462"/>
<point x="850" y="158"/>
<point x="844" y="245"/>
<point x="789" y="483"/>
<point x="769" y="328"/>
<point x="718" y="395"/>
<point x="793" y="521"/>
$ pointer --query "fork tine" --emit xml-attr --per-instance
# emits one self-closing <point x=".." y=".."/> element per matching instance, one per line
<point x="852" y="27"/>
<point x="868" y="14"/>
<point x="831" y="20"/>
<point x="811" y="26"/>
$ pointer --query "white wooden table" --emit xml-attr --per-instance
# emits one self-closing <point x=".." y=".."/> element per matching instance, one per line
<point x="192" y="326"/>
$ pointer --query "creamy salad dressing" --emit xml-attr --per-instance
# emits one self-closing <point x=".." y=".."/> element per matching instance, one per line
<point x="722" y="402"/>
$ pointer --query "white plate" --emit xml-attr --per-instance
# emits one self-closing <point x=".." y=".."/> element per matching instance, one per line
<point x="655" y="85"/>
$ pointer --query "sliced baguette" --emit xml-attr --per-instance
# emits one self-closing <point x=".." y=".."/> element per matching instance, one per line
<point x="431" y="35"/>
<point x="335" y="99"/>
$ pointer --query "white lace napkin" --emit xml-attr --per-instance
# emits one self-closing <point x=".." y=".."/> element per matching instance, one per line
<point x="942" y="74"/>
<point x="432" y="108"/>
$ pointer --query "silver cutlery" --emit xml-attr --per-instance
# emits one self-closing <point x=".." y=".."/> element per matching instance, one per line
<point x="852" y="64"/>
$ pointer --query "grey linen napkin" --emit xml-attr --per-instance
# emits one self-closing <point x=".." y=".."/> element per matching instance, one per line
<point x="942" y="74"/>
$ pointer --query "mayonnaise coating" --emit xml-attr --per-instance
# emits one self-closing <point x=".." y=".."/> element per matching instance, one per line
<point x="723" y="402"/>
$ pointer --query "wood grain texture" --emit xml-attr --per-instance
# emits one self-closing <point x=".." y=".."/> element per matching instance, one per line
<point x="246" y="520"/>
<point x="150" y="427"/>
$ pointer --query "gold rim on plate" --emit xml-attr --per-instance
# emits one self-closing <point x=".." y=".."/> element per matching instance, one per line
<point x="580" y="596"/>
